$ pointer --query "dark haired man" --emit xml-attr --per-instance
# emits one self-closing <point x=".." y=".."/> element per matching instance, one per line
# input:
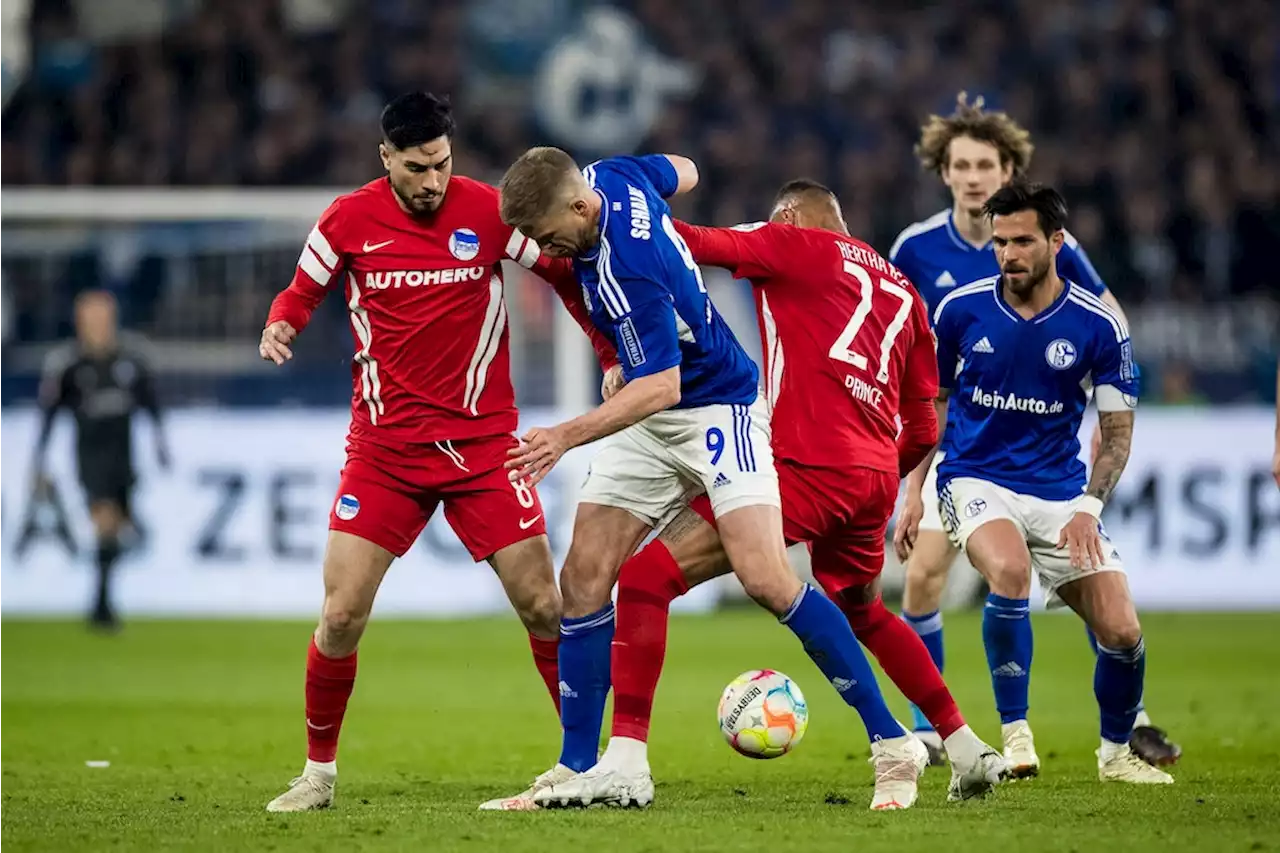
<point x="1016" y="355"/>
<point x="432" y="412"/>
<point x="974" y="151"/>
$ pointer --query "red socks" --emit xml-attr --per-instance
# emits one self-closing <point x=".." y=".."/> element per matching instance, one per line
<point x="647" y="585"/>
<point x="904" y="658"/>
<point x="329" y="683"/>
<point x="546" y="657"/>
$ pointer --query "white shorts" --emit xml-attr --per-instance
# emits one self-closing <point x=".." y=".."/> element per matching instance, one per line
<point x="968" y="503"/>
<point x="656" y="465"/>
<point x="932" y="518"/>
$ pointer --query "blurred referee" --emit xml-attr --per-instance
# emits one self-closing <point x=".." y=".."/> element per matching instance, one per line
<point x="103" y="382"/>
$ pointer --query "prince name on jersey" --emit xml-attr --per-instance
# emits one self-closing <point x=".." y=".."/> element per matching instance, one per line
<point x="646" y="293"/>
<point x="1019" y="386"/>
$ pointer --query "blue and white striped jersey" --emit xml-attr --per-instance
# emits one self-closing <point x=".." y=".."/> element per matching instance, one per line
<point x="645" y="292"/>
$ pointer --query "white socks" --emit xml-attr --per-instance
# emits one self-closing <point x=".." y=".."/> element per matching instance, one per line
<point x="1142" y="719"/>
<point x="626" y="753"/>
<point x="1110" y="750"/>
<point x="963" y="747"/>
<point x="327" y="770"/>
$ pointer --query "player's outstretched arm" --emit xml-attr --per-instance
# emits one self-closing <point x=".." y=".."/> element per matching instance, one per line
<point x="752" y="251"/>
<point x="542" y="447"/>
<point x="558" y="272"/>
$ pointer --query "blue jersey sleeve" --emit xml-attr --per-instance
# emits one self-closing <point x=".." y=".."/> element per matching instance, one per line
<point x="902" y="257"/>
<point x="1113" y="362"/>
<point x="1074" y="264"/>
<point x="655" y="168"/>
<point x="947" y="333"/>
<point x="648" y="341"/>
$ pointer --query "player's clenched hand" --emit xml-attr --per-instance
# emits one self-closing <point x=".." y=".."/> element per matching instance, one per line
<point x="1083" y="543"/>
<point x="538" y="452"/>
<point x="275" y="342"/>
<point x="908" y="526"/>
<point x="612" y="382"/>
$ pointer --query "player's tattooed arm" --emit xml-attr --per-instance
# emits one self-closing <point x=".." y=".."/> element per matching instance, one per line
<point x="1113" y="454"/>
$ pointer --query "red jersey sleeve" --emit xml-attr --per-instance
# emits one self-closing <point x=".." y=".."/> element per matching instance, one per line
<point x="919" y="388"/>
<point x="920" y="377"/>
<point x="319" y="266"/>
<point x="558" y="272"/>
<point x="753" y="251"/>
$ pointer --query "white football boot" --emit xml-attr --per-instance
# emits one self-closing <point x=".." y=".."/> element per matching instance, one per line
<point x="976" y="779"/>
<point x="1020" y="750"/>
<point x="898" y="763"/>
<point x="308" y="792"/>
<point x="524" y="801"/>
<point x="1118" y="763"/>
<point x="631" y="787"/>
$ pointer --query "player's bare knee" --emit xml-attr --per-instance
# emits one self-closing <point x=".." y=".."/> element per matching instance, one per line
<point x="541" y="610"/>
<point x="1009" y="576"/>
<point x="772" y="589"/>
<point x="1119" y="633"/>
<point x="585" y="584"/>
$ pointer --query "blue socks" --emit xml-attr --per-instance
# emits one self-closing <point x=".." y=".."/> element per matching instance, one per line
<point x="1006" y="634"/>
<point x="1093" y="644"/>
<point x="929" y="628"/>
<point x="830" y="642"/>
<point x="585" y="647"/>
<point x="1117" y="684"/>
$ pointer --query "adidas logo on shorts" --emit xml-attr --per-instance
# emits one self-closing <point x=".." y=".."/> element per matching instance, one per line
<point x="721" y="480"/>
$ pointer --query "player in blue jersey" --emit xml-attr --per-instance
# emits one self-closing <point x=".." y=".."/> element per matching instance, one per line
<point x="975" y="152"/>
<point x="688" y="420"/>
<point x="1017" y="354"/>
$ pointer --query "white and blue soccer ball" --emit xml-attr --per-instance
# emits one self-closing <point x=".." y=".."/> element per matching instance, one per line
<point x="763" y="714"/>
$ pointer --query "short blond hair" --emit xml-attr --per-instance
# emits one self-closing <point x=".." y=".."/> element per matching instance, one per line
<point x="533" y="184"/>
<point x="972" y="120"/>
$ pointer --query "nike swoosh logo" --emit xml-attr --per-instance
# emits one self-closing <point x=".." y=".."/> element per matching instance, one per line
<point x="526" y="523"/>
<point x="373" y="247"/>
<point x="316" y="728"/>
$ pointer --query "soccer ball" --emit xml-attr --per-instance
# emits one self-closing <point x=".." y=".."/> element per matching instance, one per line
<point x="763" y="714"/>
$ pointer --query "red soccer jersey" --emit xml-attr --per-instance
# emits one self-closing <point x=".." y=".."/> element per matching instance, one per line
<point x="426" y="307"/>
<point x="846" y="339"/>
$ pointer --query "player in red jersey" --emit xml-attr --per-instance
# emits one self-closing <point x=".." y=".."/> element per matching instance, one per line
<point x="432" y="413"/>
<point x="848" y="352"/>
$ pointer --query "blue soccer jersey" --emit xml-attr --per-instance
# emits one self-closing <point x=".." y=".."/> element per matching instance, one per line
<point x="645" y="292"/>
<point x="937" y="259"/>
<point x="1019" y="387"/>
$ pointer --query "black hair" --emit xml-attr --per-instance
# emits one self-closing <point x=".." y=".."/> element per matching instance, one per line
<point x="801" y="186"/>
<point x="1048" y="203"/>
<point x="414" y="118"/>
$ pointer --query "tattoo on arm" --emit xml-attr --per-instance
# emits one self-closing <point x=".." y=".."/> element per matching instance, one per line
<point x="1117" y="436"/>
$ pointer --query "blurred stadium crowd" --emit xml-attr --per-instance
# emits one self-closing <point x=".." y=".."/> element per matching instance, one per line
<point x="1160" y="119"/>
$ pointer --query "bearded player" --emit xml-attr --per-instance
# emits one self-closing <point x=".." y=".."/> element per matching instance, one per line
<point x="418" y="255"/>
<point x="1016" y="354"/>
<point x="975" y="152"/>
<point x="848" y="349"/>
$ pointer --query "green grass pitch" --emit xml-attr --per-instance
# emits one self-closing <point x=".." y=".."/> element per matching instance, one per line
<point x="202" y="724"/>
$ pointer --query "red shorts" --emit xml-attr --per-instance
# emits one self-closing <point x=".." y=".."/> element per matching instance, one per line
<point x="386" y="495"/>
<point x="842" y="515"/>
